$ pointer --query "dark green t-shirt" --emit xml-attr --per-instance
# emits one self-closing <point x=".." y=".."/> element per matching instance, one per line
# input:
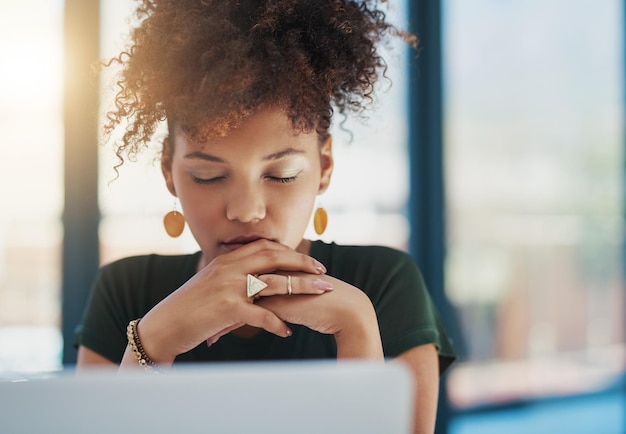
<point x="129" y="288"/>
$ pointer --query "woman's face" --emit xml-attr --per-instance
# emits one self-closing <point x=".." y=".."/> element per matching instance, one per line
<point x="259" y="181"/>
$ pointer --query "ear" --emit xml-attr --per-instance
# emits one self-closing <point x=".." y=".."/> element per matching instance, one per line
<point x="166" y="165"/>
<point x="327" y="163"/>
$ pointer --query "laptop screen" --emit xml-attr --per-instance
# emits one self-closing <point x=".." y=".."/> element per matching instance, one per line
<point x="268" y="397"/>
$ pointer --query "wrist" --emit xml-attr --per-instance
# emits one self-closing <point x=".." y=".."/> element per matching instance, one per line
<point x="154" y="343"/>
<point x="361" y="339"/>
<point x="136" y="347"/>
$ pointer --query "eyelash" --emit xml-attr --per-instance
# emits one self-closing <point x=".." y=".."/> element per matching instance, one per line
<point x="286" y="180"/>
<point x="203" y="181"/>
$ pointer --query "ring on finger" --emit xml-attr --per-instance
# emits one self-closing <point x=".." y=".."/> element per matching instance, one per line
<point x="254" y="286"/>
<point x="289" y="289"/>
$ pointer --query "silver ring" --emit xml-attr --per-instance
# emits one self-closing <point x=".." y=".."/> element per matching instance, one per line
<point x="254" y="286"/>
<point x="289" y="289"/>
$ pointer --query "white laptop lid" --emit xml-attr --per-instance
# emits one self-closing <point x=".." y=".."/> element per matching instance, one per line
<point x="279" y="397"/>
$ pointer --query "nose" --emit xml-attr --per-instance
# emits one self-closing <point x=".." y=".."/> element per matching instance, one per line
<point x="246" y="204"/>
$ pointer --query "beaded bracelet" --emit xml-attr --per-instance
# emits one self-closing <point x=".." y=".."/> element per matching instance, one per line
<point x="138" y="351"/>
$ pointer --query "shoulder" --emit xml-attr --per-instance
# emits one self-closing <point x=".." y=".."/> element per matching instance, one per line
<point x="142" y="263"/>
<point x="152" y="266"/>
<point x="370" y="268"/>
<point x="143" y="281"/>
<point x="380" y="257"/>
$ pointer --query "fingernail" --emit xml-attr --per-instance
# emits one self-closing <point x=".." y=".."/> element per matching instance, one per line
<point x="288" y="333"/>
<point x="323" y="285"/>
<point x="320" y="267"/>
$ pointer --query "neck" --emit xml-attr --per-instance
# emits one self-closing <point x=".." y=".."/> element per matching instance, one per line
<point x="304" y="247"/>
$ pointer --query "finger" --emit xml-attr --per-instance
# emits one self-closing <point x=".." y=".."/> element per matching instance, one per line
<point x="279" y="284"/>
<point x="270" y="260"/>
<point x="264" y="256"/>
<point x="262" y="318"/>
<point x="256" y="246"/>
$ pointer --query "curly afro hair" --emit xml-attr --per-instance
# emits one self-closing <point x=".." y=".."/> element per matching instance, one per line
<point x="214" y="62"/>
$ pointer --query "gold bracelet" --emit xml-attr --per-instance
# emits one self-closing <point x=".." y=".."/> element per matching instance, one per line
<point x="138" y="351"/>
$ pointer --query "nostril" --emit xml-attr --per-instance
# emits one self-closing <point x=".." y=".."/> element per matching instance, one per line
<point x="246" y="210"/>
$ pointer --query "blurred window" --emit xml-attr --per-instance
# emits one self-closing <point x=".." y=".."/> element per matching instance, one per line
<point x="534" y="173"/>
<point x="31" y="164"/>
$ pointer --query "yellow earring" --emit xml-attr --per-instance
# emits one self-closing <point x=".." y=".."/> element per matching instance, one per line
<point x="174" y="223"/>
<point x="320" y="220"/>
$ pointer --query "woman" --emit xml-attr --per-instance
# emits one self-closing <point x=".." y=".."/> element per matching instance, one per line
<point x="248" y="89"/>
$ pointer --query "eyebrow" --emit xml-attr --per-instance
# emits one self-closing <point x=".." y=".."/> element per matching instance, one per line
<point x="271" y="157"/>
<point x="204" y="156"/>
<point x="284" y="153"/>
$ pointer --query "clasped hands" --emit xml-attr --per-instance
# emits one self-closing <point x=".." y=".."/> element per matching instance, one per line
<point x="214" y="302"/>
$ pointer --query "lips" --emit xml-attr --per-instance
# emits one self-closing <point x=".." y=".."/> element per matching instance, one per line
<point x="236" y="242"/>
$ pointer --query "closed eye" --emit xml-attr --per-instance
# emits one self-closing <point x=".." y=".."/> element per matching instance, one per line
<point x="204" y="181"/>
<point x="281" y="180"/>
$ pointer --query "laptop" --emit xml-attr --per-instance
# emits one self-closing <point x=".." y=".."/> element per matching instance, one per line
<point x="268" y="397"/>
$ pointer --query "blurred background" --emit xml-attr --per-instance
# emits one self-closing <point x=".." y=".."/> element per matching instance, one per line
<point x="509" y="192"/>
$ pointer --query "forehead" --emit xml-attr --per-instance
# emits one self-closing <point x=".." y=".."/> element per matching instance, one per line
<point x="265" y="129"/>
